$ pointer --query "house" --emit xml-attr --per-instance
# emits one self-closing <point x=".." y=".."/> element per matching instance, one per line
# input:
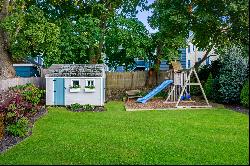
<point x="142" y="65"/>
<point x="31" y="67"/>
<point x="190" y="55"/>
<point x="67" y="84"/>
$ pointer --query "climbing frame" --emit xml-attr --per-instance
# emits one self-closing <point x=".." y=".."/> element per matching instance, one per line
<point x="182" y="85"/>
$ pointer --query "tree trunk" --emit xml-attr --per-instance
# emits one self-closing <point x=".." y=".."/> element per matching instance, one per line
<point x="6" y="65"/>
<point x="197" y="64"/>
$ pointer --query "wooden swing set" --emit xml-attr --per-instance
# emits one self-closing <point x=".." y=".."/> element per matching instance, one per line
<point x="181" y="88"/>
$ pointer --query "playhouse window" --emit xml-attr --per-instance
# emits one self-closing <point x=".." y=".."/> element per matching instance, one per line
<point x="75" y="83"/>
<point x="90" y="83"/>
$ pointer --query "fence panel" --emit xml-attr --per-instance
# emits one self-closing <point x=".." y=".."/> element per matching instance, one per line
<point x="6" y="83"/>
<point x="131" y="80"/>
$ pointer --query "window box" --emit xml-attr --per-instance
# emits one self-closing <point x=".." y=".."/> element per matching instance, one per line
<point x="90" y="85"/>
<point x="75" y="86"/>
<point x="89" y="90"/>
<point x="74" y="90"/>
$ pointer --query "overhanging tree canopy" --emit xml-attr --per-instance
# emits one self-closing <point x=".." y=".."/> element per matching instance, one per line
<point x="213" y="23"/>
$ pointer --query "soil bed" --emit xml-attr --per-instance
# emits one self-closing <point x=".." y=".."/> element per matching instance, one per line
<point x="158" y="103"/>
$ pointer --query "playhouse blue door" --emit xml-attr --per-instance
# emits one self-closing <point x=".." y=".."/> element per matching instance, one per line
<point x="59" y="91"/>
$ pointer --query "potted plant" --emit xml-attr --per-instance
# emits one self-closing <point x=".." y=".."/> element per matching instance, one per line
<point x="90" y="88"/>
<point x="75" y="88"/>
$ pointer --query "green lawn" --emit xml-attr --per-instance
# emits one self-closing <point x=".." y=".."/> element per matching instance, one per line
<point x="212" y="136"/>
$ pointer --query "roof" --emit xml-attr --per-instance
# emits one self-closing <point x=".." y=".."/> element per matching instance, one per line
<point x="76" y="70"/>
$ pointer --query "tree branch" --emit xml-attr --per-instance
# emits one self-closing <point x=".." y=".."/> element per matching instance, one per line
<point x="197" y="64"/>
<point x="4" y="11"/>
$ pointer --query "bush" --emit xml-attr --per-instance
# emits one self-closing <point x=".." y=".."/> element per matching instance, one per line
<point x="232" y="75"/>
<point x="244" y="96"/>
<point x="76" y="107"/>
<point x="21" y="103"/>
<point x="32" y="94"/>
<point x="208" y="87"/>
<point x="20" y="128"/>
<point x="88" y="107"/>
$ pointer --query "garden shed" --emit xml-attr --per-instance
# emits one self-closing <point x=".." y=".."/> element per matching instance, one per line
<point x="67" y="84"/>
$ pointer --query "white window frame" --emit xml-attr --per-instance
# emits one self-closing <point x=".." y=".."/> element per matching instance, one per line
<point x="72" y="80"/>
<point x="86" y="82"/>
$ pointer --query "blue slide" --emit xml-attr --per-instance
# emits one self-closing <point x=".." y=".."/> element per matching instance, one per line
<point x="156" y="90"/>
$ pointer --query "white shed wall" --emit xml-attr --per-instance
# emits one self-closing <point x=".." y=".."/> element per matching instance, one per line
<point x="49" y="91"/>
<point x="82" y="97"/>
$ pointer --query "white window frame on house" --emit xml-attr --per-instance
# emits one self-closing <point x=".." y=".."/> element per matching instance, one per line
<point x="87" y="81"/>
<point x="72" y="81"/>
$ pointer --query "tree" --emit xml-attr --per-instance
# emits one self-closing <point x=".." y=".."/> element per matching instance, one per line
<point x="31" y="34"/>
<point x="6" y="69"/>
<point x="98" y="9"/>
<point x="214" y="24"/>
<point x="79" y="39"/>
<point x="129" y="34"/>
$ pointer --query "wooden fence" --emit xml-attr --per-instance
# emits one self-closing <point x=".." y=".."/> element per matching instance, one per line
<point x="6" y="83"/>
<point x="114" y="80"/>
<point x="132" y="80"/>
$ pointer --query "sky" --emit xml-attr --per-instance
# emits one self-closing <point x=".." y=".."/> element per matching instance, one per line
<point x="143" y="16"/>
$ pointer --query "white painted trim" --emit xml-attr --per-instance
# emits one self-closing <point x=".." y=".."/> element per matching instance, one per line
<point x="102" y="92"/>
<point x="77" y="77"/>
<point x="88" y="79"/>
<point x="53" y="90"/>
<point x="24" y="64"/>
<point x="71" y="81"/>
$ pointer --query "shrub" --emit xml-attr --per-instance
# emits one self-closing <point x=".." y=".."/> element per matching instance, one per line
<point x="32" y="94"/>
<point x="76" y="107"/>
<point x="20" y="128"/>
<point x="208" y="87"/>
<point x="244" y="96"/>
<point x="232" y="75"/>
<point x="88" y="107"/>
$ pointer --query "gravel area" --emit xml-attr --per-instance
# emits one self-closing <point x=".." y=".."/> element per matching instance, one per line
<point x="9" y="141"/>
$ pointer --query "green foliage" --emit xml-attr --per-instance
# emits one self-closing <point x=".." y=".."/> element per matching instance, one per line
<point x="79" y="39"/>
<point x="214" y="24"/>
<point x="20" y="128"/>
<point x="88" y="107"/>
<point x="76" y="106"/>
<point x="31" y="93"/>
<point x="90" y="87"/>
<point x="31" y="34"/>
<point x="244" y="95"/>
<point x="75" y="86"/>
<point x="208" y="88"/>
<point x="231" y="77"/>
<point x="131" y="35"/>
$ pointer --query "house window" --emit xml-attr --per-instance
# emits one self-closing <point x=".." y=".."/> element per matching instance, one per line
<point x="188" y="48"/>
<point x="90" y="83"/>
<point x="207" y="61"/>
<point x="193" y="47"/>
<point x="189" y="63"/>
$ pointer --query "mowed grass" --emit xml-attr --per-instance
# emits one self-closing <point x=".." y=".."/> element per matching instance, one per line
<point x="211" y="136"/>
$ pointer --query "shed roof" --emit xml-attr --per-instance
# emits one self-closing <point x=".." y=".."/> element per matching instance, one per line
<point x="76" y="70"/>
